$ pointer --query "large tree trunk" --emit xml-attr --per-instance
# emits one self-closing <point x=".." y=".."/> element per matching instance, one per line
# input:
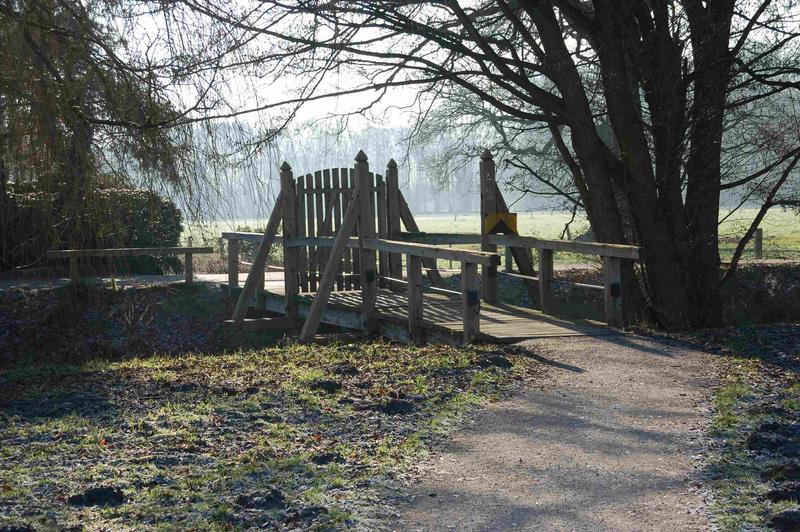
<point x="710" y="35"/>
<point x="637" y="52"/>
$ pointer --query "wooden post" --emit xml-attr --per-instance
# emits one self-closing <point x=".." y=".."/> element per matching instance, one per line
<point x="488" y="206"/>
<point x="261" y="297"/>
<point x="291" y="256"/>
<point x="470" y="301"/>
<point x="545" y="276"/>
<point x="366" y="229"/>
<point x="612" y="283"/>
<point x="415" y="328"/>
<point x="188" y="270"/>
<point x="393" y="215"/>
<point x="233" y="267"/>
<point x="509" y="262"/>
<point x="74" y="276"/>
<point x="259" y="262"/>
<point x="758" y="243"/>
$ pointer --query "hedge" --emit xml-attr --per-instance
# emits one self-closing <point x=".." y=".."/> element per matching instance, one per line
<point x="32" y="223"/>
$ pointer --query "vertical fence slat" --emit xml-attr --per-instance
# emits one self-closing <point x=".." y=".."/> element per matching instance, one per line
<point x="347" y="183"/>
<point x="302" y="252"/>
<point x="488" y="206"/>
<point x="366" y="226"/>
<point x="356" y="252"/>
<point x="393" y="217"/>
<point x="311" y="230"/>
<point x="337" y="221"/>
<point x="758" y="243"/>
<point x="74" y="276"/>
<point x="319" y="211"/>
<point x="188" y="267"/>
<point x="383" y="227"/>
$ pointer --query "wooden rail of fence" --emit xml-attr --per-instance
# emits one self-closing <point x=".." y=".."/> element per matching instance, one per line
<point x="74" y="254"/>
<point x="611" y="254"/>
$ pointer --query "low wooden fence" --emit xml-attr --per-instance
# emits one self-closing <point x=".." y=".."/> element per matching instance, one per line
<point x="75" y="254"/>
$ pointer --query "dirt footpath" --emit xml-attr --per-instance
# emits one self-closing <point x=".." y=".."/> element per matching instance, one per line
<point x="606" y="442"/>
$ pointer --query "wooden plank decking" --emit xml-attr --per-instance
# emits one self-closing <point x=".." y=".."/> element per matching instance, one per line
<point x="442" y="315"/>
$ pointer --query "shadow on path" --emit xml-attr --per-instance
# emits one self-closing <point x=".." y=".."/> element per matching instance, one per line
<point x="605" y="444"/>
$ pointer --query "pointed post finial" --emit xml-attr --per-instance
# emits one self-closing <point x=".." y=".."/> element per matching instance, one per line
<point x="391" y="164"/>
<point x="486" y="155"/>
<point x="361" y="157"/>
<point x="285" y="166"/>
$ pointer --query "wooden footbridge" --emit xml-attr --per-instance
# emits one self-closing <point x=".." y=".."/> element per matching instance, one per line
<point x="348" y="262"/>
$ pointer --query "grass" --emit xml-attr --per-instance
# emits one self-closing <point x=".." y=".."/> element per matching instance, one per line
<point x="193" y="438"/>
<point x="758" y="396"/>
<point x="781" y="228"/>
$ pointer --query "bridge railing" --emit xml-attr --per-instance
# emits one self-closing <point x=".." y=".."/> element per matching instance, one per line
<point x="611" y="254"/>
<point x="415" y="254"/>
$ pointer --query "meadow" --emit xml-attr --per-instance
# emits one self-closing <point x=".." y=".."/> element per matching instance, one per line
<point x="781" y="229"/>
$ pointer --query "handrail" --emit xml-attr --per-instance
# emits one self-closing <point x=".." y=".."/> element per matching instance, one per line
<point x="432" y="252"/>
<point x="247" y="237"/>
<point x="428" y="251"/>
<point x="125" y="252"/>
<point x="74" y="254"/>
<point x="422" y="237"/>
<point x="621" y="251"/>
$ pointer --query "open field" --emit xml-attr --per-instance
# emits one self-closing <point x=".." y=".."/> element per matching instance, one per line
<point x="781" y="228"/>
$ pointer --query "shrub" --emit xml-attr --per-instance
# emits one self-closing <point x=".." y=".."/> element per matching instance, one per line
<point x="32" y="223"/>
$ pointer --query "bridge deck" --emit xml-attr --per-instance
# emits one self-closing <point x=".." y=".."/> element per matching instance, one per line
<point x="442" y="316"/>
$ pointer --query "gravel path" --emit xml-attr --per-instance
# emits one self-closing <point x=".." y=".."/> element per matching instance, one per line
<point x="606" y="442"/>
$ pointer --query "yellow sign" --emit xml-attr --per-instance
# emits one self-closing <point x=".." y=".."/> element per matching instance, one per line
<point x="500" y="223"/>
